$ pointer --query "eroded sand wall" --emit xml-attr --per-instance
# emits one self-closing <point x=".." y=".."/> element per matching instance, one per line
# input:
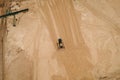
<point x="2" y="38"/>
<point x="90" y="32"/>
<point x="1" y="50"/>
<point x="1" y="58"/>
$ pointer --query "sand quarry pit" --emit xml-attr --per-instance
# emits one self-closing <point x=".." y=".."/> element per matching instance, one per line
<point x="90" y="30"/>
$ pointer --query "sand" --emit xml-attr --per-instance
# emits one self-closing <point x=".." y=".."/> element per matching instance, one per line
<point x="90" y="30"/>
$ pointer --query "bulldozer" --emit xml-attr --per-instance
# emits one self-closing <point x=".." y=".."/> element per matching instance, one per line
<point x="60" y="43"/>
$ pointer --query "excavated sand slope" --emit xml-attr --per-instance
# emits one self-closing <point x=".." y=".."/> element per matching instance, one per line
<point x="90" y="30"/>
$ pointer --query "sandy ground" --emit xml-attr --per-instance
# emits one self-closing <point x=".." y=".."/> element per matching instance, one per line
<point x="90" y="30"/>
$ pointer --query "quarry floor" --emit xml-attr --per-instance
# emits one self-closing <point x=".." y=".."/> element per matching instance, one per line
<point x="90" y="30"/>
